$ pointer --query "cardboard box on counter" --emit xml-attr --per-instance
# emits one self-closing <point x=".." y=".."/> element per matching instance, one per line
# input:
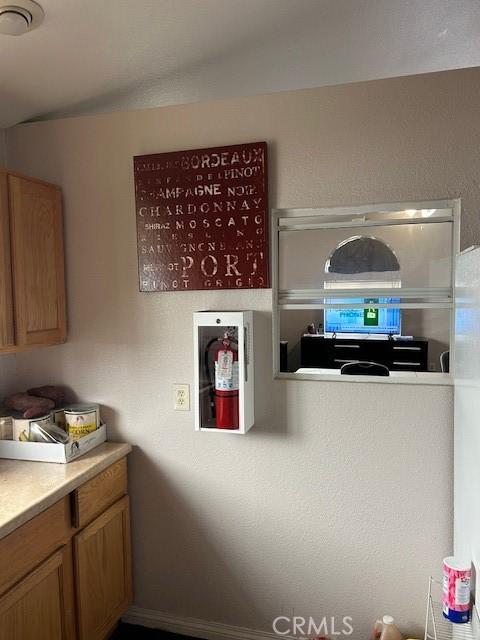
<point x="51" y="452"/>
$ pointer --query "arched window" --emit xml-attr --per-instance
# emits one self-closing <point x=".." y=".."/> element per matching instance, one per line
<point x="362" y="262"/>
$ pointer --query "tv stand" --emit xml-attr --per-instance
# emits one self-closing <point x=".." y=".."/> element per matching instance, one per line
<point x="320" y="352"/>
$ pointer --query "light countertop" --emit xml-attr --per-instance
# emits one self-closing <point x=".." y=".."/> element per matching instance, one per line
<point x="28" y="488"/>
<point x="424" y="377"/>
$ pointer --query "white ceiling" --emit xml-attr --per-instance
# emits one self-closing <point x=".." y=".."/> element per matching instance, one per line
<point x="104" y="55"/>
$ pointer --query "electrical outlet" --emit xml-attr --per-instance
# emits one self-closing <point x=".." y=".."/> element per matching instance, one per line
<point x="181" y="397"/>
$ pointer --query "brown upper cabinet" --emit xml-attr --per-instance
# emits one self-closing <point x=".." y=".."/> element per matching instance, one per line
<point x="32" y="275"/>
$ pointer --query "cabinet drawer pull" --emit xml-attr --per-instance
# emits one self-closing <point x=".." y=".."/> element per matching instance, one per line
<point x="407" y="348"/>
<point x="340" y="360"/>
<point x="407" y="364"/>
<point x="346" y="346"/>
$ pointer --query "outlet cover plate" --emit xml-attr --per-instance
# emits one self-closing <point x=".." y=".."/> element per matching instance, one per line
<point x="181" y="397"/>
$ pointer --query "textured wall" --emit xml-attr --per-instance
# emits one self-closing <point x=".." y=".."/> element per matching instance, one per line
<point x="339" y="501"/>
<point x="306" y="44"/>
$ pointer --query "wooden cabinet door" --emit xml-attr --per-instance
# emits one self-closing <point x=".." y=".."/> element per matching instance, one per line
<point x="36" y="228"/>
<point x="41" y="606"/>
<point x="103" y="571"/>
<point x="7" y="337"/>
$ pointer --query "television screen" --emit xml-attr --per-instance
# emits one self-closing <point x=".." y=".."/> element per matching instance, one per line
<point x="367" y="320"/>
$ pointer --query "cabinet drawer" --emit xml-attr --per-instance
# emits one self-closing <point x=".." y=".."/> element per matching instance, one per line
<point x="30" y="544"/>
<point x="100" y="492"/>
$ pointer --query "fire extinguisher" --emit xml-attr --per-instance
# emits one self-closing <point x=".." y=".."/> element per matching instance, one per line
<point x="226" y="385"/>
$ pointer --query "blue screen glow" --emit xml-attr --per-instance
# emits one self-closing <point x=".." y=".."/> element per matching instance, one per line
<point x="366" y="320"/>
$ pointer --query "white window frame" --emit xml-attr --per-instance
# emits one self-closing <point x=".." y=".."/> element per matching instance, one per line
<point x="444" y="298"/>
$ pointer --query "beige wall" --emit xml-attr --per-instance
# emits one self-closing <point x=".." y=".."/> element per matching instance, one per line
<point x="339" y="501"/>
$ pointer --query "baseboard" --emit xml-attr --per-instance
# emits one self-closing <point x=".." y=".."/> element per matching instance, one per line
<point x="193" y="626"/>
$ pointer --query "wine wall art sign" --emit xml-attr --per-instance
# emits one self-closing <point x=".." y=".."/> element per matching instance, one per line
<point x="202" y="219"/>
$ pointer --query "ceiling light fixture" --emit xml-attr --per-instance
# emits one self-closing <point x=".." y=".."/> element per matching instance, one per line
<point x="17" y="19"/>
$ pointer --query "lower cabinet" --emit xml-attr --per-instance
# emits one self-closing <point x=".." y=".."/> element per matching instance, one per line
<point x="61" y="580"/>
<point x="103" y="571"/>
<point x="41" y="606"/>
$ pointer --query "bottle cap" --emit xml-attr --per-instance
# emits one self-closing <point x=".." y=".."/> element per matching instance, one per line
<point x="387" y="620"/>
<point x="457" y="563"/>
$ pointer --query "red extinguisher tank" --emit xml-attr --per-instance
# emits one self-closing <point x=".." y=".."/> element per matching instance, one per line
<point x="226" y="385"/>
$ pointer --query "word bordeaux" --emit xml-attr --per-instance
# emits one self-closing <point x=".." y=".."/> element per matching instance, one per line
<point x="204" y="159"/>
<point x="202" y="219"/>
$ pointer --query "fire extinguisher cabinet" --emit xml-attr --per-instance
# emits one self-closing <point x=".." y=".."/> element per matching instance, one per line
<point x="224" y="378"/>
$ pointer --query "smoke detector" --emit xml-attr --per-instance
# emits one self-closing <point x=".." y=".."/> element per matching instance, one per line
<point x="17" y="19"/>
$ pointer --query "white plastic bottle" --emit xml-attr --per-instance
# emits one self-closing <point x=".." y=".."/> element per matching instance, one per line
<point x="385" y="629"/>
